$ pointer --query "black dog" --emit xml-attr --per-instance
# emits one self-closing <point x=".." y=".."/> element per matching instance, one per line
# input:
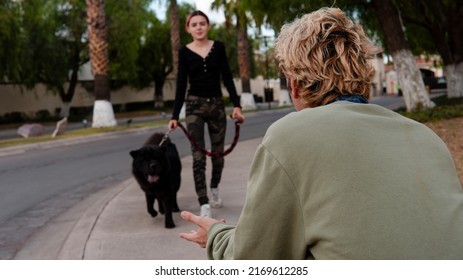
<point x="157" y="169"/>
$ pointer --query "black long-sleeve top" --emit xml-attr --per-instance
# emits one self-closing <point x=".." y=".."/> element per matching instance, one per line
<point x="203" y="75"/>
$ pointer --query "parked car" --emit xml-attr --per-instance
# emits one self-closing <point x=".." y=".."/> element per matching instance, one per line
<point x="432" y="81"/>
<point x="440" y="83"/>
<point x="428" y="77"/>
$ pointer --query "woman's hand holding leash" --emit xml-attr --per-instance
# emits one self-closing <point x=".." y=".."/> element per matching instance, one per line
<point x="236" y="114"/>
<point x="172" y="125"/>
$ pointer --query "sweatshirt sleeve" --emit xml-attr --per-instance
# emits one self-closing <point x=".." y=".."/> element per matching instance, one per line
<point x="182" y="79"/>
<point x="220" y="242"/>
<point x="227" y="76"/>
<point x="271" y="224"/>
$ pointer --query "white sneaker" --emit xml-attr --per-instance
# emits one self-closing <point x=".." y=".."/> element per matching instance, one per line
<point x="205" y="211"/>
<point x="216" y="201"/>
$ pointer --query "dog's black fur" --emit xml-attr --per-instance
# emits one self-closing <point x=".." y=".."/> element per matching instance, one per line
<point x="157" y="170"/>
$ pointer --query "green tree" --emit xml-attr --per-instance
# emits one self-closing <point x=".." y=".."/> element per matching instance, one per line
<point x="9" y="40"/>
<point x="52" y="47"/>
<point x="37" y="54"/>
<point x="275" y="13"/>
<point x="228" y="35"/>
<point x="410" y="79"/>
<point x="70" y="37"/>
<point x="394" y="39"/>
<point x="55" y="43"/>
<point x="155" y="59"/>
<point x="126" y="23"/>
<point x="270" y="15"/>
<point x="440" y="22"/>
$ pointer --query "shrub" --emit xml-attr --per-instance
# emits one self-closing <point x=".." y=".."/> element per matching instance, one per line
<point x="42" y="115"/>
<point x="14" y="117"/>
<point x="445" y="109"/>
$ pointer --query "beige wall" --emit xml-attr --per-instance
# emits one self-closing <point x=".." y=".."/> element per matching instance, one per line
<point x="15" y="99"/>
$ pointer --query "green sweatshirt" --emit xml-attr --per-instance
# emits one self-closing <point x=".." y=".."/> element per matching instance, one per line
<point x="347" y="181"/>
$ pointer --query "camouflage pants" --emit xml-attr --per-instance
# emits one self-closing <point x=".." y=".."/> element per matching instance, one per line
<point x="210" y="111"/>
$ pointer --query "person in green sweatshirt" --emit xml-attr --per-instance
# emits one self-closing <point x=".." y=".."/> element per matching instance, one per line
<point x="340" y="178"/>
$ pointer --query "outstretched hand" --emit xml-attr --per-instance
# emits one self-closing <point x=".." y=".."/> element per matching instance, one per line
<point x="199" y="235"/>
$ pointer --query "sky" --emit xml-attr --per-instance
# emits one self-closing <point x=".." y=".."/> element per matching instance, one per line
<point x="203" y="5"/>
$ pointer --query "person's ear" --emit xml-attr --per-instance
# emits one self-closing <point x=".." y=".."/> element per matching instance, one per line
<point x="294" y="89"/>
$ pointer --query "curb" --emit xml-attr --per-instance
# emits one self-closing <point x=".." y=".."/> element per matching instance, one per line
<point x="21" y="149"/>
<point x="65" y="237"/>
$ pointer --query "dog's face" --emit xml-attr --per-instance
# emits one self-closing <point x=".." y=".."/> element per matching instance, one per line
<point x="150" y="162"/>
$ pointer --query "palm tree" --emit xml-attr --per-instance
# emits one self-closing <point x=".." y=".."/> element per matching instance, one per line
<point x="230" y="8"/>
<point x="174" y="34"/>
<point x="103" y="114"/>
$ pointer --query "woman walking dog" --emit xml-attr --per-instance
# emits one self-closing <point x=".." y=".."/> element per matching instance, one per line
<point x="201" y="63"/>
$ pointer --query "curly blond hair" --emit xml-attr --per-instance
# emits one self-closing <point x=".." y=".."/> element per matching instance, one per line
<point x="326" y="54"/>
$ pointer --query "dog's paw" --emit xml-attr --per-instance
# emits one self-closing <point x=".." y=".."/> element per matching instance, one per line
<point x="175" y="209"/>
<point x="153" y="213"/>
<point x="170" y="225"/>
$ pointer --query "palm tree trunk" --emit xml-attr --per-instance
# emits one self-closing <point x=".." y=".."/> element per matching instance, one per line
<point x="174" y="34"/>
<point x="243" y="54"/>
<point x="103" y="114"/>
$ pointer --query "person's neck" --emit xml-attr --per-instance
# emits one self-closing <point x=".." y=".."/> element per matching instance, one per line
<point x="201" y="43"/>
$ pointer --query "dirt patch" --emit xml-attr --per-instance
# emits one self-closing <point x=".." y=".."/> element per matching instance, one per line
<point x="451" y="131"/>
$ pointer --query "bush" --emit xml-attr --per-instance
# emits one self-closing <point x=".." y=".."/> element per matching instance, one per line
<point x="42" y="115"/>
<point x="445" y="101"/>
<point x="77" y="114"/>
<point x="14" y="117"/>
<point x="445" y="109"/>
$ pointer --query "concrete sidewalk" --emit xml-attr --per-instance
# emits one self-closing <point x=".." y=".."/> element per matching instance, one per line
<point x="114" y="225"/>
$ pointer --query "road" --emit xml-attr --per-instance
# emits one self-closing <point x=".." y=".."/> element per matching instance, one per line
<point x="39" y="184"/>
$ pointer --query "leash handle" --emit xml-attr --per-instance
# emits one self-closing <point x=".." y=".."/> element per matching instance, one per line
<point x="237" y="120"/>
<point x="165" y="137"/>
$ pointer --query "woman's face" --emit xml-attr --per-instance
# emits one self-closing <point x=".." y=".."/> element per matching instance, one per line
<point x="198" y="27"/>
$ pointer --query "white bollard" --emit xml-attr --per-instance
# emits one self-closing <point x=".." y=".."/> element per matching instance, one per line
<point x="285" y="100"/>
<point x="103" y="114"/>
<point x="182" y="114"/>
<point x="247" y="101"/>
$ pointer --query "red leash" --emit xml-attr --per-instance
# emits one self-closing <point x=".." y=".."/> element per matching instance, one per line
<point x="209" y="153"/>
